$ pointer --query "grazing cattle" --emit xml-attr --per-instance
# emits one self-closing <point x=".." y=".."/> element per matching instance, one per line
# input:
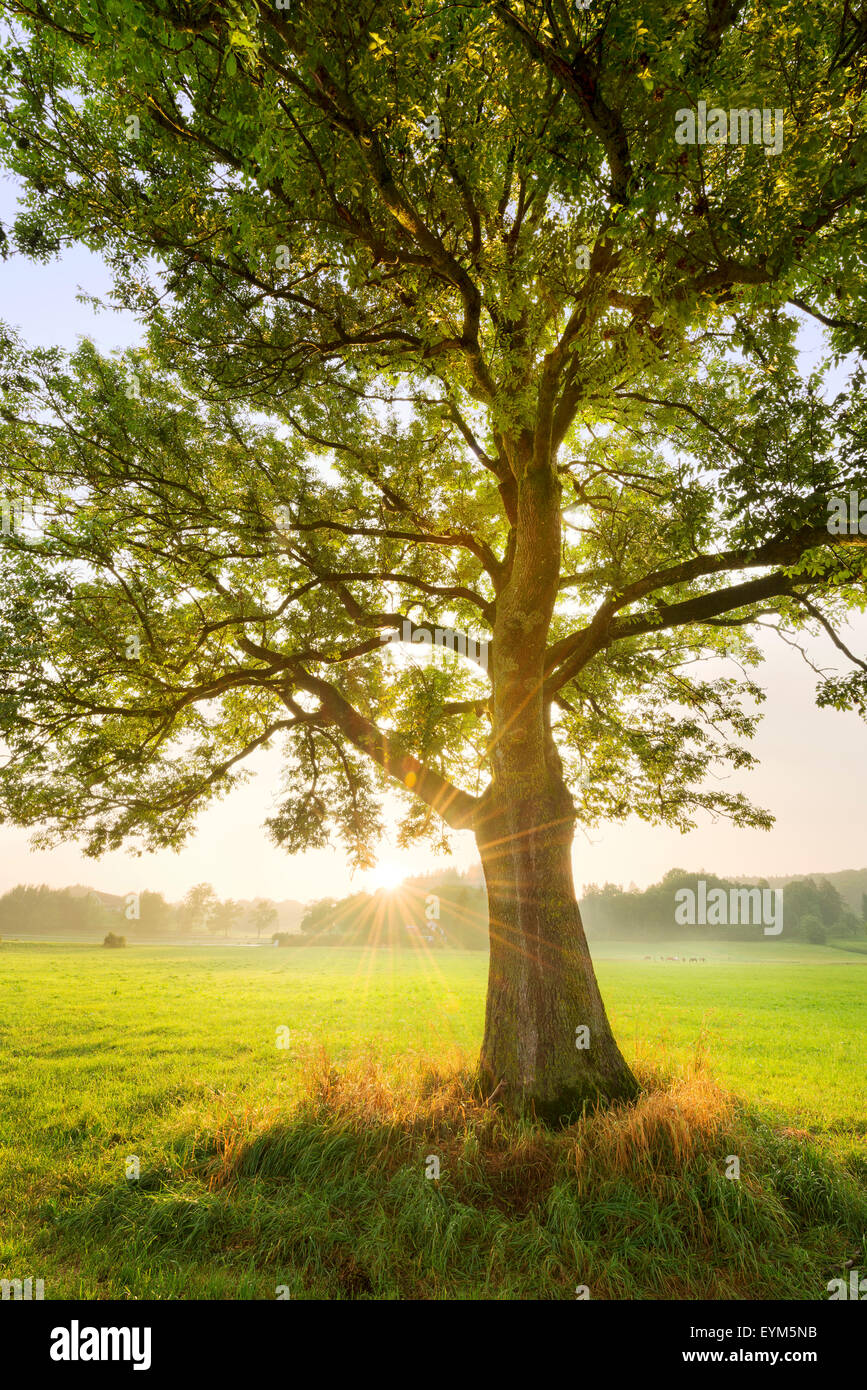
<point x="648" y="957"/>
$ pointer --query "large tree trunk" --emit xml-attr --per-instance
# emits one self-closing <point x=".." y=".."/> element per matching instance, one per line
<point x="542" y="990"/>
<point x="543" y="999"/>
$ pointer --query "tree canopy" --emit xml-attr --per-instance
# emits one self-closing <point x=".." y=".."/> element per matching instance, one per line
<point x="358" y="328"/>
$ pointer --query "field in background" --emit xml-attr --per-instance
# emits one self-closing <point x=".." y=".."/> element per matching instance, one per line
<point x="158" y="1051"/>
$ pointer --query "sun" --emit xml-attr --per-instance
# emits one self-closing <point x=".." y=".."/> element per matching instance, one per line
<point x="387" y="875"/>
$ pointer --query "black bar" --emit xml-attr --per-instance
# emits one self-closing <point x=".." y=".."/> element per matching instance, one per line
<point x="295" y="1339"/>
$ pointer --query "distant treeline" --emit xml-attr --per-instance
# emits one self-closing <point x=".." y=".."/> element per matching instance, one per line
<point x="28" y="910"/>
<point x="813" y="910"/>
<point x="50" y="910"/>
<point x="441" y="909"/>
<point x="450" y="909"/>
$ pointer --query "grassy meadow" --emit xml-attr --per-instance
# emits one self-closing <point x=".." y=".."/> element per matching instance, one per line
<point x="296" y="1159"/>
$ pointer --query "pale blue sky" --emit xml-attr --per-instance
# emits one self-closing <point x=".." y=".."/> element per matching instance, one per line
<point x="812" y="761"/>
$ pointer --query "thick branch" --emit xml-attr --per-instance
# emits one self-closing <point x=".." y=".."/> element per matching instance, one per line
<point x="455" y="806"/>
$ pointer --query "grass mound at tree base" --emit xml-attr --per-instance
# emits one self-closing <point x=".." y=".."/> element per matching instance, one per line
<point x="332" y="1200"/>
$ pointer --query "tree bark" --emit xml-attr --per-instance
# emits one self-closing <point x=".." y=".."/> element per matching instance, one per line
<point x="542" y="990"/>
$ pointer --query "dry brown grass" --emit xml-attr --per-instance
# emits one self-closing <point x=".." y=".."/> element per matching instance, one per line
<point x="664" y="1129"/>
<point x="394" y="1113"/>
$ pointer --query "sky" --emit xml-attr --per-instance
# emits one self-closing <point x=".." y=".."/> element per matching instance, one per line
<point x="811" y="773"/>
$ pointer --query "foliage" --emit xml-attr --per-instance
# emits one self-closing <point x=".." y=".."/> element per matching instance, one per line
<point x="814" y="929"/>
<point x="262" y="915"/>
<point x="224" y="916"/>
<point x="156" y="916"/>
<point x="610" y="913"/>
<point x="197" y="906"/>
<point x="528" y="375"/>
<point x="27" y="909"/>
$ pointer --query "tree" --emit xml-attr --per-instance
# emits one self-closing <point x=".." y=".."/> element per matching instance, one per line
<point x="831" y="905"/>
<point x="848" y="924"/>
<point x="197" y="906"/>
<point x="814" y="929"/>
<point x="805" y="898"/>
<point x="319" y="917"/>
<point x="263" y="915"/>
<point x="155" y="915"/>
<point x="224" y="916"/>
<point x="455" y="343"/>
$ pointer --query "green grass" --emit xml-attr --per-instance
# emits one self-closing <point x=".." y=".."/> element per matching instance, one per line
<point x="263" y="1165"/>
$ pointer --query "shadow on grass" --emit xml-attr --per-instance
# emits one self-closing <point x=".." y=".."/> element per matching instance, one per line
<point x="405" y="1185"/>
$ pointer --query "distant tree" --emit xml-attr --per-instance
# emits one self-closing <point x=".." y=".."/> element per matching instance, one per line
<point x="848" y="925"/>
<point x="114" y="941"/>
<point x="319" y="917"/>
<point x="197" y="906"/>
<point x="801" y="899"/>
<point x="814" y="929"/>
<point x="263" y="915"/>
<point x="224" y="916"/>
<point x="155" y="917"/>
<point x="831" y="905"/>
